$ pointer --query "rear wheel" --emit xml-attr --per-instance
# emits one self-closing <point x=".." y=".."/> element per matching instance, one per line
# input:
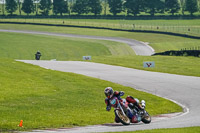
<point x="123" y="119"/>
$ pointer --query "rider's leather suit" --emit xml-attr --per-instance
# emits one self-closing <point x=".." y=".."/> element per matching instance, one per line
<point x="129" y="99"/>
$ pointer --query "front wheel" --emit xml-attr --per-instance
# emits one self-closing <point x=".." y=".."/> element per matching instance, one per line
<point x="123" y="119"/>
<point x="146" y="118"/>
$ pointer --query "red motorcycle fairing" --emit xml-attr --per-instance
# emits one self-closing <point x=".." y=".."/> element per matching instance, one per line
<point x="114" y="102"/>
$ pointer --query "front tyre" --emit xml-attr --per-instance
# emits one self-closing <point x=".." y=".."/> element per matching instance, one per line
<point x="146" y="118"/>
<point x="123" y="119"/>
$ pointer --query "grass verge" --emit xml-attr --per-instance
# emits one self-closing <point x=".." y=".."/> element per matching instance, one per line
<point x="158" y="41"/>
<point x="19" y="46"/>
<point x="15" y="46"/>
<point x="190" y="27"/>
<point x="170" y="130"/>
<point x="167" y="64"/>
<point x="50" y="99"/>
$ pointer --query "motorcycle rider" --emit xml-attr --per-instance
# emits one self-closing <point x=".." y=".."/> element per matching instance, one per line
<point x="135" y="118"/>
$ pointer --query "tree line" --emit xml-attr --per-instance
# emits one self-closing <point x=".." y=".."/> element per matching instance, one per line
<point x="131" y="7"/>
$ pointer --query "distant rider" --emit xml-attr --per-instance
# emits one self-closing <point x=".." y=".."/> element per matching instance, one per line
<point x="38" y="55"/>
<point x="110" y="93"/>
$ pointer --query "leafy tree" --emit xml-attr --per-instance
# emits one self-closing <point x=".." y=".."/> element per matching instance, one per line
<point x="81" y="6"/>
<point x="11" y="6"/>
<point x="3" y="7"/>
<point x="36" y="6"/>
<point x="182" y="3"/>
<point x="191" y="6"/>
<point x="154" y="6"/>
<point x="95" y="6"/>
<point x="70" y="6"/>
<point x="115" y="6"/>
<point x="172" y="6"/>
<point x="28" y="6"/>
<point x="134" y="6"/>
<point x="60" y="6"/>
<point x="105" y="6"/>
<point x="19" y="6"/>
<point x="45" y="6"/>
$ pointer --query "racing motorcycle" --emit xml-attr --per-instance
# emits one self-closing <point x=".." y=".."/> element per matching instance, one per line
<point x="121" y="112"/>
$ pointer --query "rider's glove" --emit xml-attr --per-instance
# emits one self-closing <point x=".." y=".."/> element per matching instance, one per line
<point x="108" y="108"/>
<point x="121" y="93"/>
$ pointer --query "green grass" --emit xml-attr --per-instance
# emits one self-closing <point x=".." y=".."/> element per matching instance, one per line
<point x="101" y="51"/>
<point x="50" y="99"/>
<point x="190" y="27"/>
<point x="167" y="64"/>
<point x="158" y="22"/>
<point x="158" y="41"/>
<point x="170" y="130"/>
<point x="19" y="46"/>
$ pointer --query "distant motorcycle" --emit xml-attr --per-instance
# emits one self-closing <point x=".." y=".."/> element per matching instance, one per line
<point x="38" y="55"/>
<point x="122" y="114"/>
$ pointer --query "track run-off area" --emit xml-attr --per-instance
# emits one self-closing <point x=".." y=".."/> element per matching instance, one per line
<point x="184" y="90"/>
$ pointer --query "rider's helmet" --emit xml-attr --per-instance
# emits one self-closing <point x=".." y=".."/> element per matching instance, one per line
<point x="108" y="92"/>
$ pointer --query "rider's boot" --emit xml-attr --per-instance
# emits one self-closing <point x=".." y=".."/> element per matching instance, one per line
<point x="130" y="99"/>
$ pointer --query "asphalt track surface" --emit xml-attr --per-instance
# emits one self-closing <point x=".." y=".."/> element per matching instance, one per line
<point x="140" y="48"/>
<point x="184" y="90"/>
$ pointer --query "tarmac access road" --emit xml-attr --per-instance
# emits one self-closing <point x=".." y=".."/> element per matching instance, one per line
<point x="140" y="48"/>
<point x="184" y="90"/>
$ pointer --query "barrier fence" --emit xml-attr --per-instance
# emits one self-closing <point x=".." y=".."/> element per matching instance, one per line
<point x="193" y="30"/>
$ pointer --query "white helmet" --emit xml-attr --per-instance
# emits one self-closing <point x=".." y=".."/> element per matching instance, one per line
<point x="108" y="92"/>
